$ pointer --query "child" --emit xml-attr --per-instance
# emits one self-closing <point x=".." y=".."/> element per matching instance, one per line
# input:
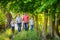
<point x="13" y="25"/>
<point x="31" y="23"/>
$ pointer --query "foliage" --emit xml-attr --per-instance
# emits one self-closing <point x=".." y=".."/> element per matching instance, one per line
<point x="7" y="35"/>
<point x="2" y="18"/>
<point x="31" y="6"/>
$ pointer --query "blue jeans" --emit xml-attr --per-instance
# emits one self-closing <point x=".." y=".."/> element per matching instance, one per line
<point x="31" y="27"/>
<point x="26" y="26"/>
<point x="19" y="26"/>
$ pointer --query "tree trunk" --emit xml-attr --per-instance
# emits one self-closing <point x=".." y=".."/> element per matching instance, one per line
<point x="58" y="28"/>
<point x="44" y="27"/>
<point x="37" y="28"/>
<point x="37" y="22"/>
<point x="53" y="24"/>
<point x="56" y="25"/>
<point x="50" y="26"/>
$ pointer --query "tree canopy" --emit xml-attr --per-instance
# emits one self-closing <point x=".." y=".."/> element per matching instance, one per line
<point x="31" y="6"/>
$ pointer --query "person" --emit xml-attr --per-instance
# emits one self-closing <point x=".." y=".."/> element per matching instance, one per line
<point x="13" y="25"/>
<point x="31" y="23"/>
<point x="26" y="19"/>
<point x="19" y="22"/>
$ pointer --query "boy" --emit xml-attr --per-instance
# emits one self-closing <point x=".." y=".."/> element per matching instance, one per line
<point x="31" y="23"/>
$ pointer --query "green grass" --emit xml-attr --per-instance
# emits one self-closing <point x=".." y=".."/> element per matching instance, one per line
<point x="23" y="35"/>
<point x="26" y="35"/>
<point x="30" y="35"/>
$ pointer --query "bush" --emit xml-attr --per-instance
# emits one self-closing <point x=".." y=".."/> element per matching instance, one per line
<point x="5" y="35"/>
<point x="2" y="21"/>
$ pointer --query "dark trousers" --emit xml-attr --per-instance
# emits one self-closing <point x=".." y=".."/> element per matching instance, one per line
<point x="26" y="26"/>
<point x="19" y="26"/>
<point x="13" y="29"/>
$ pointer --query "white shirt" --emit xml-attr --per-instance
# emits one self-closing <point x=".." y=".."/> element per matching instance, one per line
<point x="31" y="22"/>
<point x="19" y="19"/>
<point x="12" y="23"/>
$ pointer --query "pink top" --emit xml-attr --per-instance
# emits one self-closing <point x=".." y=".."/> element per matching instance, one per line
<point x="25" y="18"/>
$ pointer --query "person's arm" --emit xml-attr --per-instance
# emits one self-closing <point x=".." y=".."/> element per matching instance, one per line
<point x="28" y="18"/>
<point x="33" y="21"/>
<point x="23" y="18"/>
<point x="10" y="23"/>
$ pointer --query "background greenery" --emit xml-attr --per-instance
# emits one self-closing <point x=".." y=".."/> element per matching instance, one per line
<point x="46" y="14"/>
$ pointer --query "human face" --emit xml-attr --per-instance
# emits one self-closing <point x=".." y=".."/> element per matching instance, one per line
<point x="18" y="15"/>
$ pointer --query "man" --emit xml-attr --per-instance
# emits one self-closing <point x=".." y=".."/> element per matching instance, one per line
<point x="26" y="19"/>
<point x="19" y="22"/>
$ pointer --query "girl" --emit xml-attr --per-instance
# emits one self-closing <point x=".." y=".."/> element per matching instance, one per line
<point x="13" y="25"/>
